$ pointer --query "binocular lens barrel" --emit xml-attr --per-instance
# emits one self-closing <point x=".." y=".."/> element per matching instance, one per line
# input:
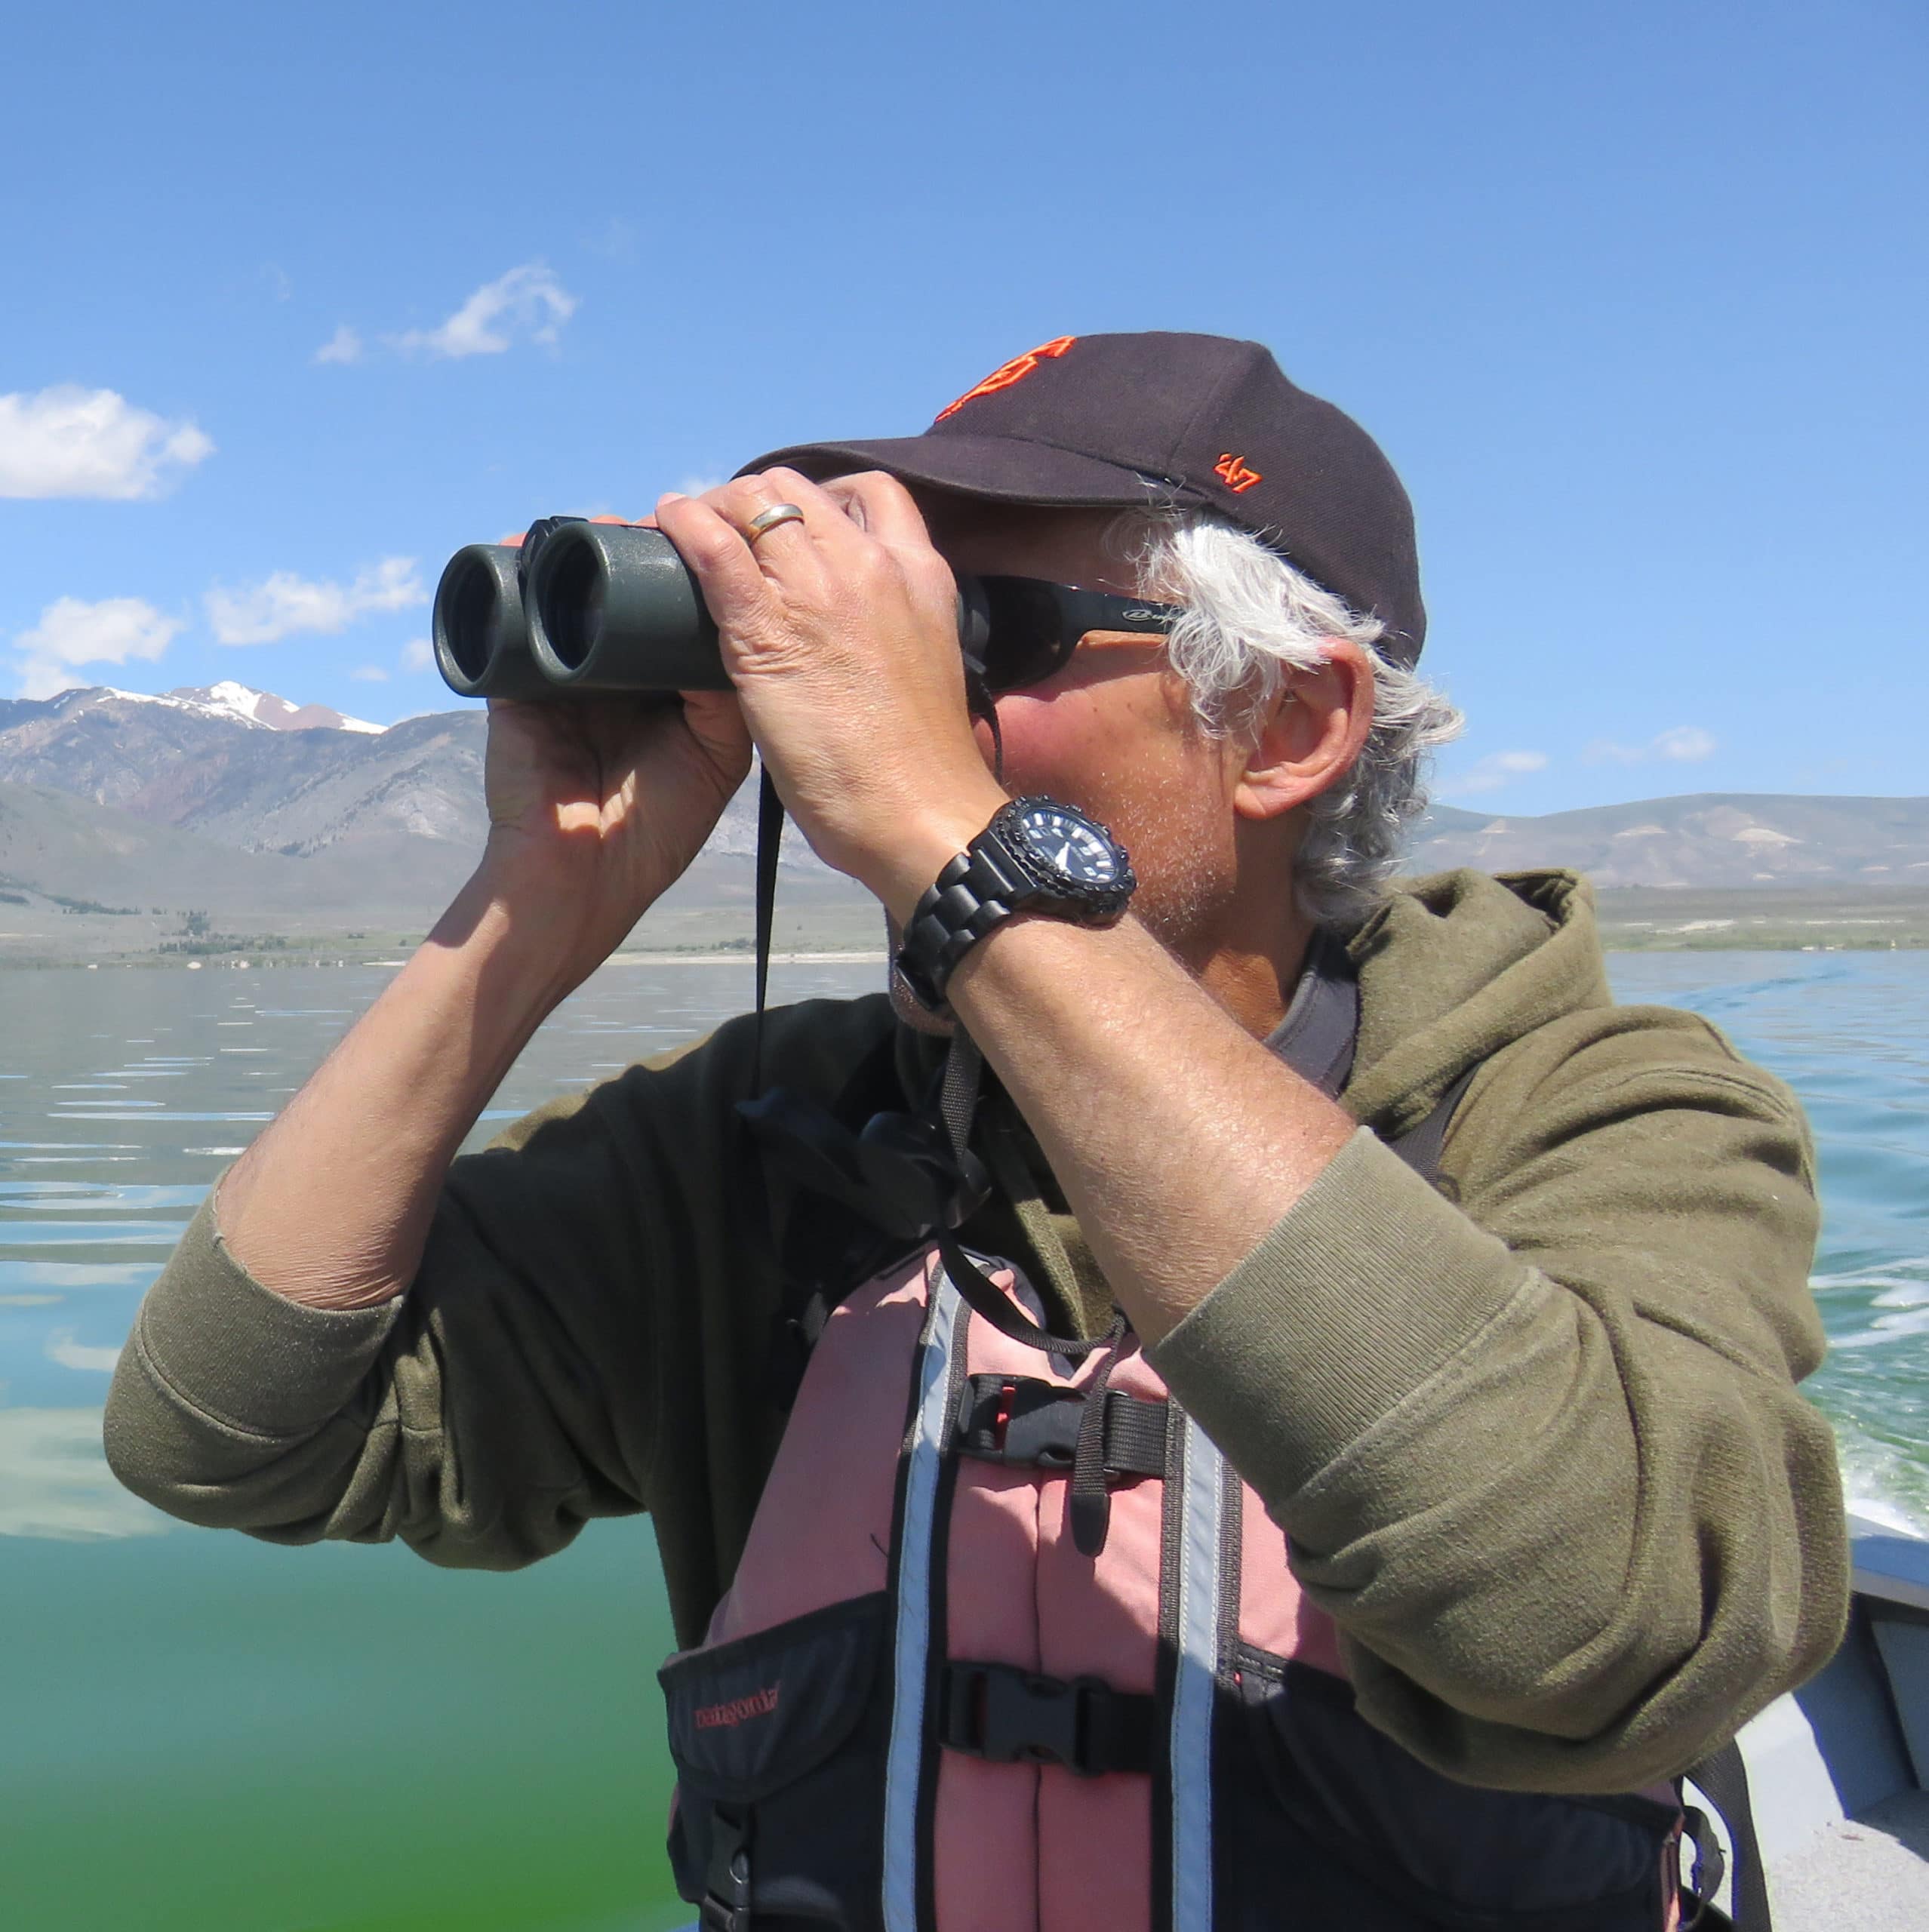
<point x="613" y="608"/>
<point x="583" y="607"/>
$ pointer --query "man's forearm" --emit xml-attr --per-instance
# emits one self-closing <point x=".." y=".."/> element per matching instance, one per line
<point x="331" y="1204"/>
<point x="1174" y="1179"/>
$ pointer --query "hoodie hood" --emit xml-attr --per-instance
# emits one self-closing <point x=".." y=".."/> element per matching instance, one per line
<point x="1456" y="966"/>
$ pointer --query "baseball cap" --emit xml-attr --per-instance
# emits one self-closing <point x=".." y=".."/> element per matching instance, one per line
<point x="1196" y="421"/>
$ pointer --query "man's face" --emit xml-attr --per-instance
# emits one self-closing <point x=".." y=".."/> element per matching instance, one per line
<point x="1113" y="732"/>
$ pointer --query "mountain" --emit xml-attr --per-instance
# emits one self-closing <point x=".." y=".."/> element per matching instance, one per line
<point x="270" y="816"/>
<point x="1711" y="840"/>
<point x="236" y="766"/>
<point x="120" y="814"/>
<point x="240" y="768"/>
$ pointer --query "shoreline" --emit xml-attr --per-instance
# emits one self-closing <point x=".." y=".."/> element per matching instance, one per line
<point x="1840" y="919"/>
<point x="271" y="958"/>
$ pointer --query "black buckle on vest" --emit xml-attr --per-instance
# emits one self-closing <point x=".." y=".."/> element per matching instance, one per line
<point x="1709" y="1867"/>
<point x="726" y="1902"/>
<point x="1025" y="1422"/>
<point x="1011" y="1716"/>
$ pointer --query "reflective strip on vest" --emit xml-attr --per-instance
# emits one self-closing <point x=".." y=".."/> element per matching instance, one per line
<point x="1201" y="1513"/>
<point x="911" y="1637"/>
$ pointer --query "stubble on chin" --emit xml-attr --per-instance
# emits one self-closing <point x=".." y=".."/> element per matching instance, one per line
<point x="1187" y="879"/>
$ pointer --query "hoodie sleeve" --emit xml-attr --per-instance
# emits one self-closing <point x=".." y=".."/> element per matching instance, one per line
<point x="1534" y="1438"/>
<point x="587" y="1335"/>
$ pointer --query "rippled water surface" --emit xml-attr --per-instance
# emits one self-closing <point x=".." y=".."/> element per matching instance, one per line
<point x="203" y="1731"/>
<point x="1849" y="1032"/>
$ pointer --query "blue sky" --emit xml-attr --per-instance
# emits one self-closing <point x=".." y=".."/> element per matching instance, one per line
<point x="1632" y="294"/>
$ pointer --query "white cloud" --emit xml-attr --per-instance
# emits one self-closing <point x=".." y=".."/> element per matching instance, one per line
<point x="1689" y="743"/>
<point x="118" y="630"/>
<point x="284" y="604"/>
<point x="418" y="654"/>
<point x="70" y="442"/>
<point x="369" y="673"/>
<point x="54" y="1480"/>
<point x="1685" y="744"/>
<point x="1496" y="769"/>
<point x="344" y="345"/>
<point x="61" y="1347"/>
<point x="527" y="303"/>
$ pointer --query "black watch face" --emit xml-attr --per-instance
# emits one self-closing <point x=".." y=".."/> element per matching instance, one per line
<point x="1069" y="844"/>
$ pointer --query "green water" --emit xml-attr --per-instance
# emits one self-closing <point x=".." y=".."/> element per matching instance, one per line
<point x="202" y="1731"/>
<point x="199" y="1731"/>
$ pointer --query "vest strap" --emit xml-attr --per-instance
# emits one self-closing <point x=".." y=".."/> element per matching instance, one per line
<point x="1026" y="1422"/>
<point x="1009" y="1716"/>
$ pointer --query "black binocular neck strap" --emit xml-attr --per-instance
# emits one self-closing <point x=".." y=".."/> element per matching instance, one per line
<point x="958" y="1100"/>
<point x="982" y="704"/>
<point x="769" y="842"/>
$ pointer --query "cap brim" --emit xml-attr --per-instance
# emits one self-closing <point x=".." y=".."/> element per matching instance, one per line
<point x="1003" y="469"/>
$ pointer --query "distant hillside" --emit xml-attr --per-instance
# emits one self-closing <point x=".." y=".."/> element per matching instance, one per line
<point x="56" y="849"/>
<point x="269" y="818"/>
<point x="1712" y="840"/>
<point x="80" y="880"/>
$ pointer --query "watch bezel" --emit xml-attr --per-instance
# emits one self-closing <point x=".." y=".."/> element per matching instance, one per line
<point x="1099" y="898"/>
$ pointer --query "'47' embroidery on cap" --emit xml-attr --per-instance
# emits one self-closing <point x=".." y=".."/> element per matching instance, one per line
<point x="1232" y="471"/>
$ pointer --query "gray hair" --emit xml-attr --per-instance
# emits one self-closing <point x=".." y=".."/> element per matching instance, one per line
<point x="1251" y="619"/>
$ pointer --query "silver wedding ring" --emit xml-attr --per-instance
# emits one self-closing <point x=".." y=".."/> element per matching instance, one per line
<point x="766" y="520"/>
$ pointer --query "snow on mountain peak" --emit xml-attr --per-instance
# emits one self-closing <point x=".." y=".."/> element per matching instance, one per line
<point x="240" y="704"/>
<point x="230" y="699"/>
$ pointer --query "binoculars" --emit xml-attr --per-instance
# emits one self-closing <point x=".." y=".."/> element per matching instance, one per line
<point x="592" y="607"/>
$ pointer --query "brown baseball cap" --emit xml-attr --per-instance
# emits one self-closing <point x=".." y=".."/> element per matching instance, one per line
<point x="1199" y="421"/>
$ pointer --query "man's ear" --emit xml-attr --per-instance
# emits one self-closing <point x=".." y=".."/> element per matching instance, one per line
<point x="1309" y="735"/>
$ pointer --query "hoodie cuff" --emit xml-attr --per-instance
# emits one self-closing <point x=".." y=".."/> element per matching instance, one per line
<point x="1370" y="1285"/>
<point x="244" y="1357"/>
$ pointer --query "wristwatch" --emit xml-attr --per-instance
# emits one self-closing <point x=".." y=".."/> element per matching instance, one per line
<point x="1036" y="855"/>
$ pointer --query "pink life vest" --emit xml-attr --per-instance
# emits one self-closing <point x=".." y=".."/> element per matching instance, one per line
<point x="922" y="1707"/>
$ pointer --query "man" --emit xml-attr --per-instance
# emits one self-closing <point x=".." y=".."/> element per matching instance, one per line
<point x="1531" y="1433"/>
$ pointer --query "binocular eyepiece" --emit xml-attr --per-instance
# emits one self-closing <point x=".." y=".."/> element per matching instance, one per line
<point x="591" y="607"/>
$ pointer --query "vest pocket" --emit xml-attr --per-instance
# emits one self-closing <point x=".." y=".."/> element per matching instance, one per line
<point x="1380" y="1842"/>
<point x="778" y="1741"/>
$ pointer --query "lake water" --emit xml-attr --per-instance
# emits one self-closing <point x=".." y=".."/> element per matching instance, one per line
<point x="202" y="1731"/>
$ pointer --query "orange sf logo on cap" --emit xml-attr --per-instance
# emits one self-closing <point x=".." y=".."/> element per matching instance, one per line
<point x="1006" y="373"/>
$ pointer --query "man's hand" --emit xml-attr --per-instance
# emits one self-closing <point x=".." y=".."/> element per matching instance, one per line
<point x="840" y="633"/>
<point x="598" y="806"/>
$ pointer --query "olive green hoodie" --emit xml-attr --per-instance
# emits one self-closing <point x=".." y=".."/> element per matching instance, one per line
<point x="1533" y="1432"/>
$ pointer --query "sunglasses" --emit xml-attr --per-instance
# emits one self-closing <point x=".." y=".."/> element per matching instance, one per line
<point x="1026" y="629"/>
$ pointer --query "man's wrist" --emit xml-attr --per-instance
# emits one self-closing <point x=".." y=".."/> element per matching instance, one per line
<point x="921" y="845"/>
<point x="518" y="933"/>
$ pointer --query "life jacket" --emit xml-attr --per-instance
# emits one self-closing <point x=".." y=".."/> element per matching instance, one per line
<point x="1011" y="1648"/>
